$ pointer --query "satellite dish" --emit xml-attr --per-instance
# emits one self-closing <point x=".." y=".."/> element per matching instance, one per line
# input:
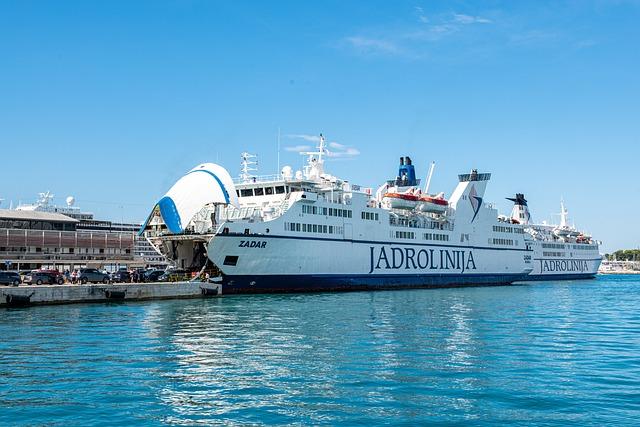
<point x="70" y="201"/>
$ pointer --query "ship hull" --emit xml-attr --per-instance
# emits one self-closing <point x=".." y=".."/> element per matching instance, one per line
<point x="564" y="269"/>
<point x="265" y="264"/>
<point x="257" y="284"/>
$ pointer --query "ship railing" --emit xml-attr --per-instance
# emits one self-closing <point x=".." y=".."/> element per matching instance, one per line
<point x="259" y="178"/>
<point x="427" y="225"/>
<point x="232" y="213"/>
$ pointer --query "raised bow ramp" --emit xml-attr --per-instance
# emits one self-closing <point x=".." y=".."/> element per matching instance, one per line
<point x="205" y="184"/>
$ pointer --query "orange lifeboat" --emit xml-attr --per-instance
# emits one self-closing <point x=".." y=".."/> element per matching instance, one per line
<point x="432" y="204"/>
<point x="406" y="200"/>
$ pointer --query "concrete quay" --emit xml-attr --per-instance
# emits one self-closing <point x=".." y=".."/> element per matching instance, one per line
<point x="25" y="295"/>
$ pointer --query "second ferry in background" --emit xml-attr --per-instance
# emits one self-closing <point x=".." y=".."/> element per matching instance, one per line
<point x="310" y="231"/>
<point x="561" y="252"/>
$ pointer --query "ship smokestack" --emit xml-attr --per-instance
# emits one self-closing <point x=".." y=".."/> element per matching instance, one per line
<point x="520" y="213"/>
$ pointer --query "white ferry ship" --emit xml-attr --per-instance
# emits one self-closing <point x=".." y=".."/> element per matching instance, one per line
<point x="560" y="252"/>
<point x="310" y="231"/>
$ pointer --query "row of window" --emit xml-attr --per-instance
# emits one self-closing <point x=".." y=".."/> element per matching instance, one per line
<point x="585" y="247"/>
<point x="315" y="210"/>
<point x="553" y="245"/>
<point x="404" y="235"/>
<point x="436" y="236"/>
<point x="553" y="254"/>
<point x="262" y="191"/>
<point x="507" y="242"/>
<point x="503" y="229"/>
<point x="63" y="250"/>
<point x="371" y="216"/>
<point x="312" y="228"/>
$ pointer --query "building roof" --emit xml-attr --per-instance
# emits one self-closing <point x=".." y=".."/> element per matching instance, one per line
<point x="35" y="216"/>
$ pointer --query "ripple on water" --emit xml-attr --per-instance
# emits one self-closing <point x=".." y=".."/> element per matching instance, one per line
<point x="552" y="353"/>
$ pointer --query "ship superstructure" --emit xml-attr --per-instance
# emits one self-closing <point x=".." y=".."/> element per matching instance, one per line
<point x="559" y="251"/>
<point x="309" y="230"/>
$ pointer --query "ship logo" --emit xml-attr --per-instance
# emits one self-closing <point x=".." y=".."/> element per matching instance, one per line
<point x="476" y="202"/>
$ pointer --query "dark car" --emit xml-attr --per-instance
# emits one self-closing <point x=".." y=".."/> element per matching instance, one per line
<point x="121" y="276"/>
<point x="152" y="275"/>
<point x="174" y="276"/>
<point x="43" y="277"/>
<point x="10" y="278"/>
<point x="93" y="275"/>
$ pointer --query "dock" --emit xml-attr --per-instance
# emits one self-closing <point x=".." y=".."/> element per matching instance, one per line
<point x="26" y="295"/>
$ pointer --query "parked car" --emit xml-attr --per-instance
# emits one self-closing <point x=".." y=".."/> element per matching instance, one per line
<point x="174" y="276"/>
<point x="93" y="275"/>
<point x="39" y="277"/>
<point x="10" y="278"/>
<point x="121" y="276"/>
<point x="152" y="275"/>
<point x="24" y="273"/>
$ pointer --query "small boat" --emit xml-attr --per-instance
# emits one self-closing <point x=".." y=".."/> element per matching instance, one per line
<point x="406" y="200"/>
<point x="436" y="204"/>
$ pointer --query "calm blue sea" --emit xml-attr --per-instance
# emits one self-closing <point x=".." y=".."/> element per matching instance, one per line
<point x="561" y="353"/>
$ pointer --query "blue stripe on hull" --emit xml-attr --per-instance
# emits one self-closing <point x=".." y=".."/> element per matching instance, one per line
<point x="543" y="277"/>
<point x="248" y="284"/>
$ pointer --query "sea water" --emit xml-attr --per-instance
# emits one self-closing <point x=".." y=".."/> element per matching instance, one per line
<point x="554" y="353"/>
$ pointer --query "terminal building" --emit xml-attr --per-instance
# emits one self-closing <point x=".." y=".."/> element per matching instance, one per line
<point x="43" y="235"/>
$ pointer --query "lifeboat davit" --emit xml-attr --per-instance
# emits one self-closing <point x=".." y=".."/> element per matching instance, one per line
<point x="432" y="204"/>
<point x="401" y="200"/>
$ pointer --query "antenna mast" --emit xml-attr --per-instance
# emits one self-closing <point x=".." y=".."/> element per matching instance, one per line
<point x="278" y="170"/>
<point x="431" y="168"/>
<point x="247" y="163"/>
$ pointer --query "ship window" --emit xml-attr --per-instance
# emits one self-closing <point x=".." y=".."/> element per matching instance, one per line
<point x="259" y="191"/>
<point x="324" y="211"/>
<point x="324" y="229"/>
<point x="268" y="191"/>
<point x="376" y="217"/>
<point x="315" y="210"/>
<point x="246" y="192"/>
<point x="280" y="189"/>
<point x="298" y="226"/>
<point x="304" y="227"/>
<point x="340" y="212"/>
<point x="230" y="260"/>
<point x="238" y="193"/>
<point x="315" y="228"/>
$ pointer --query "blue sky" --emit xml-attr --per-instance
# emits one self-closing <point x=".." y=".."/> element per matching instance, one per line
<point x="112" y="101"/>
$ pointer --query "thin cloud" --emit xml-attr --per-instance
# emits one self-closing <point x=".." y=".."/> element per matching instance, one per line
<point x="310" y="138"/>
<point x="422" y="17"/>
<point x="411" y="40"/>
<point x="369" y="45"/>
<point x="468" y="19"/>
<point x="337" y="146"/>
<point x="335" y="150"/>
<point x="344" y="153"/>
<point x="297" y="148"/>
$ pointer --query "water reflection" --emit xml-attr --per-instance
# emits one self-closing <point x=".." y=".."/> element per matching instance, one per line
<point x="549" y="353"/>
